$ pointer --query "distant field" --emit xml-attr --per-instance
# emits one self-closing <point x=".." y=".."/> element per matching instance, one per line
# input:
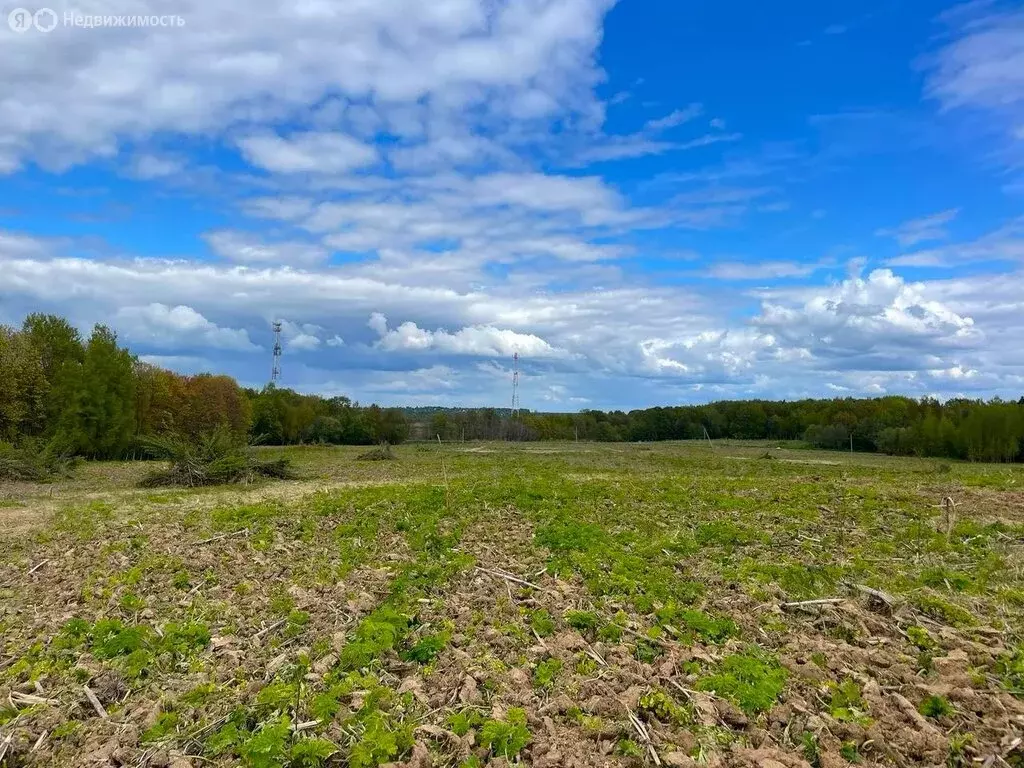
<point x="555" y="604"/>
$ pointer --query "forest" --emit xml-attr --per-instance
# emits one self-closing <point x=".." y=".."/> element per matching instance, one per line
<point x="92" y="397"/>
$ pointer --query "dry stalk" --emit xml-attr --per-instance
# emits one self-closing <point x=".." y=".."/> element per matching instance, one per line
<point x="514" y="579"/>
<point x="95" y="702"/>
<point x="949" y="515"/>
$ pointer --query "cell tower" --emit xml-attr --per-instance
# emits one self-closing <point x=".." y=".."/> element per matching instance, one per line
<point x="275" y="372"/>
<point x="515" y="386"/>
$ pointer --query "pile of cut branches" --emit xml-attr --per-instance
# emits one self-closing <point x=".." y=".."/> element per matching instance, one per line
<point x="382" y="452"/>
<point x="215" y="458"/>
<point x="33" y="463"/>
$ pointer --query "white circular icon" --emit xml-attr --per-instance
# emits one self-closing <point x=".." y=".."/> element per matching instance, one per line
<point x="20" y="20"/>
<point x="45" y="19"/>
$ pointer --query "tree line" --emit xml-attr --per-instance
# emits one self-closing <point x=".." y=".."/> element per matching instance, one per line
<point x="974" y="430"/>
<point x="92" y="397"/>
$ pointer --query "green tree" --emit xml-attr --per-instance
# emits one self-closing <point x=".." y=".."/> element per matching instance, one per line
<point x="59" y="347"/>
<point x="99" y="419"/>
<point x="22" y="387"/>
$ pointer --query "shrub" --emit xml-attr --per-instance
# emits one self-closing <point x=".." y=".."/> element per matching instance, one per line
<point x="215" y="458"/>
<point x="33" y="463"/>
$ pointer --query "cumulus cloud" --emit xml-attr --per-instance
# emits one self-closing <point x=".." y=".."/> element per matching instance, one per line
<point x="401" y="66"/>
<point x="881" y="320"/>
<point x="307" y="153"/>
<point x="159" y="325"/>
<point x="301" y="337"/>
<point x="480" y="341"/>
<point x="406" y="137"/>
<point x="870" y="334"/>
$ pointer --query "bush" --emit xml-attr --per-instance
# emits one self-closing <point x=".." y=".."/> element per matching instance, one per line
<point x="215" y="458"/>
<point x="33" y="463"/>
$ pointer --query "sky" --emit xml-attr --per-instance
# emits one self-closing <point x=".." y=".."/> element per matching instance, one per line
<point x="652" y="202"/>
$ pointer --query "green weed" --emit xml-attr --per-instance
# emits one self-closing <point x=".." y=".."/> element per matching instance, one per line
<point x="426" y="649"/>
<point x="506" y="738"/>
<point x="850" y="751"/>
<point x="662" y="707"/>
<point x="463" y="722"/>
<point x="542" y="623"/>
<point x="936" y="706"/>
<point x="847" y="703"/>
<point x="1010" y="668"/>
<point x="546" y="672"/>
<point x="689" y="623"/>
<point x="944" y="611"/>
<point x="585" y="621"/>
<point x="629" y="748"/>
<point x="752" y="680"/>
<point x="811" y="750"/>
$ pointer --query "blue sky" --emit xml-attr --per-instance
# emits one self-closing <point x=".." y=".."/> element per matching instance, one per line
<point x="651" y="202"/>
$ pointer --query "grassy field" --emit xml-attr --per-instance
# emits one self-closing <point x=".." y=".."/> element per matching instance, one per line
<point x="552" y="605"/>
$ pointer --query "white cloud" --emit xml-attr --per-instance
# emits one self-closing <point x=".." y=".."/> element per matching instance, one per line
<point x="156" y="167"/>
<point x="641" y="144"/>
<point x="983" y="66"/>
<point x="921" y="230"/>
<point x="304" y="342"/>
<point x="159" y="325"/>
<point x="1003" y="244"/>
<point x="880" y="320"/>
<point x="615" y="338"/>
<point x="981" y="69"/>
<point x="481" y="340"/>
<point x="735" y="270"/>
<point x="249" y="248"/>
<point x="307" y="153"/>
<point x="675" y="118"/>
<point x="300" y="337"/>
<point x="405" y="66"/>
